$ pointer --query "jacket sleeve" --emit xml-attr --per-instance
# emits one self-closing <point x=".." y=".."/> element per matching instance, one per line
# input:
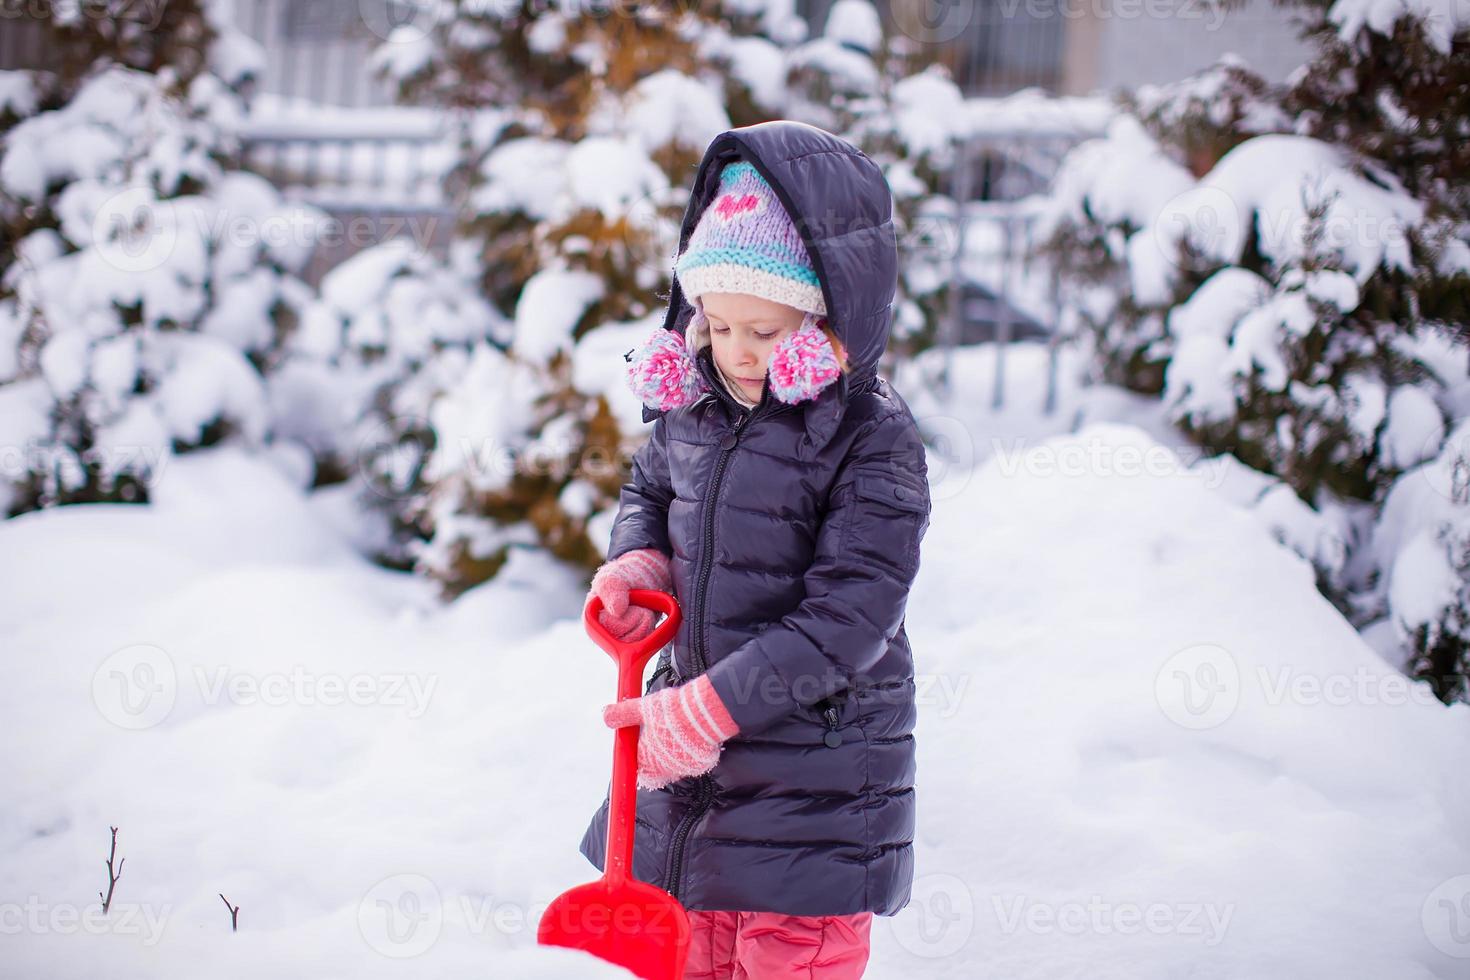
<point x="857" y="587"/>
<point x="643" y="509"/>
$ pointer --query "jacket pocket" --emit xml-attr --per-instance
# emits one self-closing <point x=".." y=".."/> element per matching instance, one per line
<point x="892" y="518"/>
<point x="829" y="712"/>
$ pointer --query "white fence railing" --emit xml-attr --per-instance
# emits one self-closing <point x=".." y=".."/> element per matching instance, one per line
<point x="382" y="173"/>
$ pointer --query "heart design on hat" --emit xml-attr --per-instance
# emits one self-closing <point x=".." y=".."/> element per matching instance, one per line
<point x="745" y="241"/>
<point x="733" y="207"/>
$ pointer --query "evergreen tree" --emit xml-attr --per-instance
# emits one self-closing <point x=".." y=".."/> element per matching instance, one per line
<point x="1287" y="267"/>
<point x="142" y="292"/>
<point x="869" y="87"/>
<point x="574" y="196"/>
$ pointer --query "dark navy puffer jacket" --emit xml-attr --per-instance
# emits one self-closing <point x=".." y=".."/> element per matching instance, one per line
<point x="794" y="535"/>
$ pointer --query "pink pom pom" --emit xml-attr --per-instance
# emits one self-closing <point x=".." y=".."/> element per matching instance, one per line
<point x="802" y="364"/>
<point x="662" y="372"/>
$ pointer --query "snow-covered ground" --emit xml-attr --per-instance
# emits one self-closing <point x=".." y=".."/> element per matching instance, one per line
<point x="1147" y="749"/>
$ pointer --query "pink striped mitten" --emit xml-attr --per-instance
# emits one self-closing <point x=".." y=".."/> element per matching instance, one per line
<point x="683" y="730"/>
<point x="646" y="568"/>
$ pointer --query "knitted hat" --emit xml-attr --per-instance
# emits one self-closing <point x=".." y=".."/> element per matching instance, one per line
<point x="745" y="242"/>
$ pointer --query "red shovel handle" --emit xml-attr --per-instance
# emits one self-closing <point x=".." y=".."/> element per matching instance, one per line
<point x="635" y="654"/>
<point x="618" y="918"/>
<point x="631" y="659"/>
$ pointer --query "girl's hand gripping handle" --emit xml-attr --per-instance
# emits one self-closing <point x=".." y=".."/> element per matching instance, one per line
<point x="631" y="659"/>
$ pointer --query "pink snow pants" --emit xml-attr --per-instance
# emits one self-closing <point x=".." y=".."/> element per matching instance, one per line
<point x="770" y="946"/>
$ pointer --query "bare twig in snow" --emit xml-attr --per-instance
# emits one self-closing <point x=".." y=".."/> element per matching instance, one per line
<point x="234" y="912"/>
<point x="111" y="877"/>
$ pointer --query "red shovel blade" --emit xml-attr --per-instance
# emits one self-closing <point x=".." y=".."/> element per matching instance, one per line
<point x="634" y="924"/>
<point x="618" y="918"/>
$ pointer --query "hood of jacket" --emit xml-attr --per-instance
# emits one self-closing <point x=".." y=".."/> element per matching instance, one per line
<point x="842" y="207"/>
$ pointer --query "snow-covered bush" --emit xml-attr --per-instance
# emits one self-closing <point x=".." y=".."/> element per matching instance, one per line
<point x="187" y="38"/>
<point x="834" y="80"/>
<point x="1106" y="192"/>
<point x="381" y="318"/>
<point x="1422" y="547"/>
<point x="858" y="82"/>
<point x="569" y="226"/>
<point x="572" y="214"/>
<point x="1297" y="369"/>
<point x="1291" y="295"/>
<point x="521" y="450"/>
<point x="1391" y="82"/>
<point x="600" y="205"/>
<point x="1206" y="115"/>
<point x="150" y="281"/>
<point x="393" y="329"/>
<point x="915" y="142"/>
<point x="746" y="51"/>
<point x="1272" y="302"/>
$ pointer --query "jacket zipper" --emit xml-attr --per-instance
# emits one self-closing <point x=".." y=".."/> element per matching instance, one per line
<point x="706" y="782"/>
<point x="662" y="668"/>
<point x="831" y="737"/>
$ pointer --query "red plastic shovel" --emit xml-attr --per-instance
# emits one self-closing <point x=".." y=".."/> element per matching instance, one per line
<point x="617" y="917"/>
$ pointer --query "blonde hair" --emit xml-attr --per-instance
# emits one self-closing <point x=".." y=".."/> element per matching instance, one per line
<point x="837" y="347"/>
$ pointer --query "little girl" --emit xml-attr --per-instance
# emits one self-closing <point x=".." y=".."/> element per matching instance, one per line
<point x="782" y="497"/>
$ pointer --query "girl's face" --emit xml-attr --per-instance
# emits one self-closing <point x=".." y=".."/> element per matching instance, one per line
<point x="743" y="329"/>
